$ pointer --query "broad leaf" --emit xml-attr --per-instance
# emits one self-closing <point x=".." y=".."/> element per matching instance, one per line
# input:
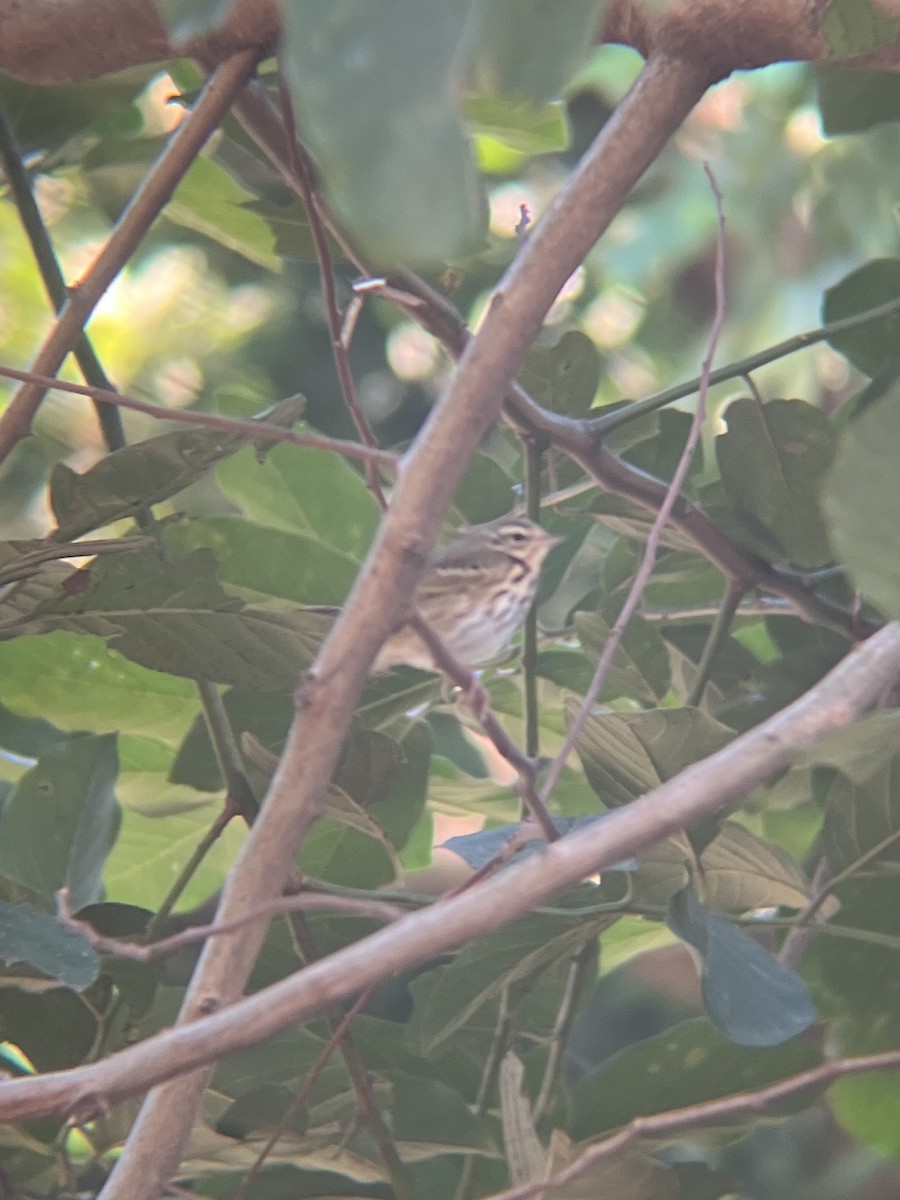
<point x="563" y="377"/>
<point x="687" y="1064"/>
<point x="36" y="938"/>
<point x="870" y="345"/>
<point x="373" y="97"/>
<point x="860" y="498"/>
<point x="132" y="479"/>
<point x="772" y="459"/>
<point x="61" y="820"/>
<point x="862" y="822"/>
<point x="748" y="995"/>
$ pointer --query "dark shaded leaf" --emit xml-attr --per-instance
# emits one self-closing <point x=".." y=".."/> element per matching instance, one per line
<point x="55" y="1030"/>
<point x="869" y="345"/>
<point x="132" y="479"/>
<point x="483" y="970"/>
<point x="862" y="822"/>
<point x="640" y="666"/>
<point x="748" y="995"/>
<point x="563" y="377"/>
<point x="625" y="755"/>
<point x="36" y="938"/>
<point x="687" y="1064"/>
<point x="61" y="820"/>
<point x="772" y="458"/>
<point x="850" y="101"/>
<point x="175" y="617"/>
<point x="263" y="1107"/>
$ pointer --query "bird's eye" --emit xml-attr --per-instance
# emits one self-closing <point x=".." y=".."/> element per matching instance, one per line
<point x="518" y="536"/>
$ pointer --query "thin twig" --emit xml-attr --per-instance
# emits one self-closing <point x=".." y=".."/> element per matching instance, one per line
<point x="186" y="873"/>
<point x="741" y="368"/>
<point x="375" y="910"/>
<point x="579" y="971"/>
<point x="734" y="594"/>
<point x="486" y="1085"/>
<point x="679" y="1119"/>
<point x="145" y="206"/>
<point x="51" y="273"/>
<point x="533" y="462"/>
<point x="238" y="792"/>
<point x="336" y="327"/>
<point x="303" y="1095"/>
<point x="716" y="784"/>
<point x="340" y="1026"/>
<point x="475" y="696"/>
<point x="645" y="569"/>
<point x="258" y="430"/>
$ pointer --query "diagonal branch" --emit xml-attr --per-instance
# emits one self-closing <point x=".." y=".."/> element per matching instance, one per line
<point x="715" y="785"/>
<point x="145" y="206"/>
<point x="661" y="98"/>
<point x="258" y="430"/>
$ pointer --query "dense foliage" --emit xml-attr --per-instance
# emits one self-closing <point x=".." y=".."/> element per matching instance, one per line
<point x="148" y="677"/>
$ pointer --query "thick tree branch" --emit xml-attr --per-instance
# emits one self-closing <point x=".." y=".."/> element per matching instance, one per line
<point x="64" y="41"/>
<point x="656" y="105"/>
<point x="714" y="785"/>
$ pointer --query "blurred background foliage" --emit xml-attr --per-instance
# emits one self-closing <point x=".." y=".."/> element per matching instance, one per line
<point x="221" y="310"/>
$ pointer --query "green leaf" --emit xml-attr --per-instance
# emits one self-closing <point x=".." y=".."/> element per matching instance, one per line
<point x="862" y="822"/>
<point x="625" y="755"/>
<point x="860" y="500"/>
<point x="853" y="27"/>
<point x="870" y="345"/>
<point x="429" y="1113"/>
<point x="160" y="832"/>
<point x="521" y="49"/>
<point x="563" y="377"/>
<point x="36" y="938"/>
<point x="61" y="820"/>
<point x="175" y="617"/>
<point x="373" y="96"/>
<point x="484" y="969"/>
<point x="772" y="458"/>
<point x="850" y="101"/>
<point x="339" y="853"/>
<point x="129" y="480"/>
<point x="485" y="492"/>
<point x="263" y="1107"/>
<point x="865" y="1105"/>
<point x="304" y="491"/>
<point x="293" y="567"/>
<point x="688" y="1064"/>
<point x="266" y="717"/>
<point x="743" y="871"/>
<point x="859" y="750"/>
<point x="863" y="974"/>
<point x="522" y="127"/>
<point x="210" y="201"/>
<point x="75" y="680"/>
<point x="640" y="665"/>
<point x="748" y="995"/>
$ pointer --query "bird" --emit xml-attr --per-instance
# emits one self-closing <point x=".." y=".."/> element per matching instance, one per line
<point x="474" y="594"/>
